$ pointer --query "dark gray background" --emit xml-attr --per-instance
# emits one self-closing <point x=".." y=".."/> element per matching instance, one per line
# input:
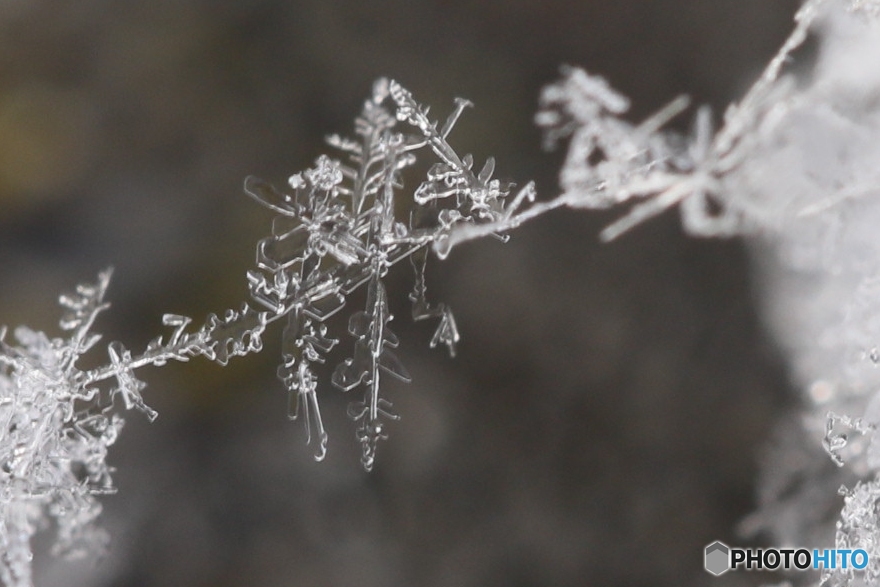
<point x="602" y="420"/>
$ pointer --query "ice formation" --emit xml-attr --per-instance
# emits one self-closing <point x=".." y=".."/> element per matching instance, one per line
<point x="336" y="230"/>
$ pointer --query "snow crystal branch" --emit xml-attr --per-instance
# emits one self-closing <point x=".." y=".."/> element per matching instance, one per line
<point x="834" y="442"/>
<point x="335" y="231"/>
<point x="611" y="161"/>
<point x="793" y="166"/>
<point x="338" y="228"/>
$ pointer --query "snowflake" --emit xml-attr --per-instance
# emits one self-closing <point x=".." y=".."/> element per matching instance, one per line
<point x="335" y="232"/>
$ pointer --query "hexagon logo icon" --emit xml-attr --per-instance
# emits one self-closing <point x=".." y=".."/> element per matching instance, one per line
<point x="717" y="559"/>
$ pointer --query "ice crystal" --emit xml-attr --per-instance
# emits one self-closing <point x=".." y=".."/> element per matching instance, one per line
<point x="336" y="230"/>
<point x="54" y="435"/>
<point x="611" y="161"/>
<point x="792" y="161"/>
<point x="793" y="166"/>
<point x="58" y="421"/>
<point x="834" y="441"/>
<point x="859" y="527"/>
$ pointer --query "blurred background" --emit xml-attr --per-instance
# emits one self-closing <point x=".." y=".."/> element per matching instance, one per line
<point x="603" y="419"/>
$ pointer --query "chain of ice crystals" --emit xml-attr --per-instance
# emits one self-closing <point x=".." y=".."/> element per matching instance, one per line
<point x="835" y="441"/>
<point x="611" y="161"/>
<point x="858" y="528"/>
<point x="793" y="164"/>
<point x="336" y="230"/>
<point x="54" y="434"/>
<point x="57" y="420"/>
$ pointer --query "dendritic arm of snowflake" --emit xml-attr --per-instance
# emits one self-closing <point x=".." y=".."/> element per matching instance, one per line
<point x="611" y="161"/>
<point x="52" y="446"/>
<point x="305" y="343"/>
<point x="337" y="229"/>
<point x="371" y="354"/>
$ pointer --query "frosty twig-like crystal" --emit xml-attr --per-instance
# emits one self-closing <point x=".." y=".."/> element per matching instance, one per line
<point x="794" y="163"/>
<point x="611" y="161"/>
<point x="336" y="230"/>
<point x="54" y="436"/>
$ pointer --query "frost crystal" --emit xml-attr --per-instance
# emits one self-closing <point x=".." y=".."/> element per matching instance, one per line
<point x="54" y="435"/>
<point x="611" y="161"/>
<point x="57" y="421"/>
<point x="858" y="528"/>
<point x="336" y="230"/>
<point x="794" y="166"/>
<point x="834" y="441"/>
<point x="794" y="162"/>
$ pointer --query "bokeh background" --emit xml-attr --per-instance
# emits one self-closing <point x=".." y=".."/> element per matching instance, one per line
<point x="604" y="417"/>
